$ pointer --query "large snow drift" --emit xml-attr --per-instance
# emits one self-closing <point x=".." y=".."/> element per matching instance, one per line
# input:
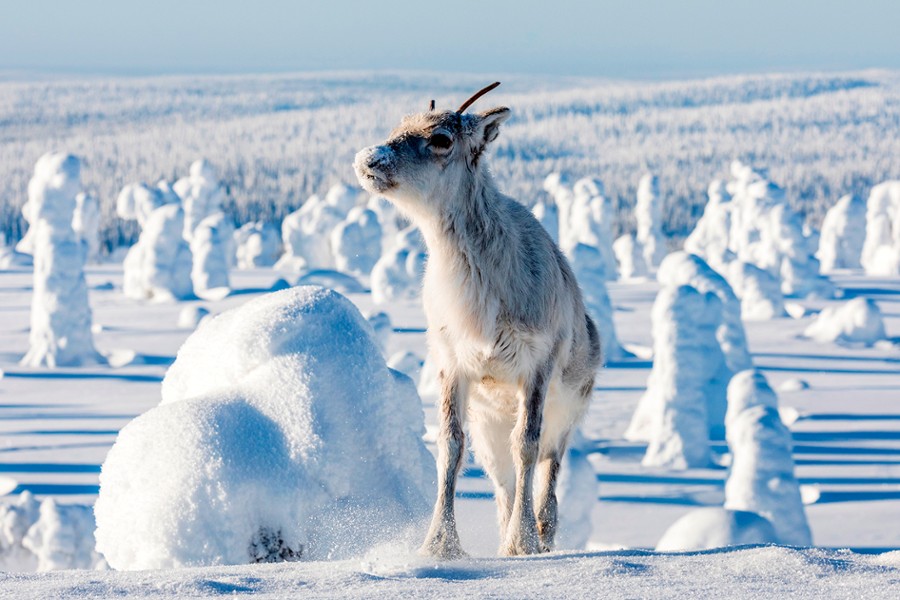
<point x="281" y="434"/>
<point x="856" y="322"/>
<point x="714" y="527"/>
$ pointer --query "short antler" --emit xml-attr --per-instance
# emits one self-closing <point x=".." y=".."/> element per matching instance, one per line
<point x="477" y="95"/>
<point x="431" y="106"/>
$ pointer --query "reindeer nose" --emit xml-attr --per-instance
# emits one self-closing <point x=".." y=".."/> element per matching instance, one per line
<point x="379" y="156"/>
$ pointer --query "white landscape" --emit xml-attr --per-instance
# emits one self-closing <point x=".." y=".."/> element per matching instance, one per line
<point x="224" y="399"/>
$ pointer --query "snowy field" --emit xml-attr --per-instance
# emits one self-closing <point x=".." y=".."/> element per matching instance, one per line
<point x="815" y="309"/>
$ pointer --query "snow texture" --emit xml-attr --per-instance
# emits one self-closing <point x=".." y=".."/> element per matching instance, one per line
<point x="762" y="479"/>
<point x="714" y="527"/>
<point x="256" y="244"/>
<point x="576" y="492"/>
<point x="191" y="316"/>
<point x="590" y="270"/>
<point x="381" y="324"/>
<point x="281" y="434"/>
<point x="398" y="273"/>
<point x="672" y="413"/>
<point x="60" y="313"/>
<point x="390" y="572"/>
<point x="46" y="536"/>
<point x="759" y="291"/>
<point x="356" y="242"/>
<point x="881" y="249"/>
<point x="843" y="235"/>
<point x="648" y="214"/>
<point x="306" y="235"/>
<point x="591" y="222"/>
<point x="857" y="321"/>
<point x="158" y="267"/>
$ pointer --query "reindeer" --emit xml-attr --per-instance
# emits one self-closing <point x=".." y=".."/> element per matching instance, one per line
<point x="515" y="349"/>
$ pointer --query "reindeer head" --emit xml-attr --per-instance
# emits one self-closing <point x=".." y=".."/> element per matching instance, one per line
<point x="428" y="157"/>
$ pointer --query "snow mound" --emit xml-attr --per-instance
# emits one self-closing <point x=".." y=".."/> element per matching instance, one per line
<point x="759" y="291"/>
<point x="306" y="234"/>
<point x="158" y="266"/>
<point x="591" y="222"/>
<point x="201" y="195"/>
<point x="630" y="256"/>
<point x="762" y="470"/>
<point x="881" y="249"/>
<point x="86" y="223"/>
<point x="672" y="413"/>
<point x="356" y="242"/>
<point x="211" y="247"/>
<point x="191" y="316"/>
<point x="576" y="491"/>
<point x="46" y="536"/>
<point x="856" y="322"/>
<point x="256" y="245"/>
<point x="843" y="235"/>
<point x="793" y="384"/>
<point x="339" y="282"/>
<point x="408" y="363"/>
<point x="381" y="324"/>
<point x="398" y="274"/>
<point x="648" y="214"/>
<point x="589" y="267"/>
<point x="281" y="434"/>
<point x="715" y="527"/>
<point x="709" y="239"/>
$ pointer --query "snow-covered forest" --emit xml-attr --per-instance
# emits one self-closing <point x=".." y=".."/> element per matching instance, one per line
<point x="277" y="139"/>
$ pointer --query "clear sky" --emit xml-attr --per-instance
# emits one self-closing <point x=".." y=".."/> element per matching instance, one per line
<point x="608" y="38"/>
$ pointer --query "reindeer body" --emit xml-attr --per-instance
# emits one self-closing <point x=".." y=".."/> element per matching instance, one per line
<point x="507" y="328"/>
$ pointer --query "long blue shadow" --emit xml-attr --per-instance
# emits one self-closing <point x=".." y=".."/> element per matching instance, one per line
<point x="819" y="462"/>
<point x="409" y="330"/>
<point x="828" y="370"/>
<point x="842" y="358"/>
<point x="63" y="417"/>
<point x="850" y="293"/>
<point x="674" y="500"/>
<point x="840" y="436"/>
<point x="10" y="449"/>
<point x="475" y="495"/>
<point x="66" y="432"/>
<point x="58" y="489"/>
<point x="629" y="364"/>
<point x="624" y="388"/>
<point x="849" y="417"/>
<point x="825" y="449"/>
<point x="47" y="468"/>
<point x="712" y="481"/>
<point x="831" y="497"/>
<point x="57" y="375"/>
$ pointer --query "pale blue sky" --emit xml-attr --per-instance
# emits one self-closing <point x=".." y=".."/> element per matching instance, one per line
<point x="612" y="38"/>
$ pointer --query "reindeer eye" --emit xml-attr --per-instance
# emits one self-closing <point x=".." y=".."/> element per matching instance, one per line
<point x="440" y="140"/>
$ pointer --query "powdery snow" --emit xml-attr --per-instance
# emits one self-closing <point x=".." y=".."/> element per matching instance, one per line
<point x="211" y="247"/>
<point x="158" y="267"/>
<point x="257" y="244"/>
<point x="293" y="439"/>
<point x="391" y="572"/>
<point x="881" y="249"/>
<point x="590" y="271"/>
<point x="398" y="273"/>
<point x="648" y="214"/>
<point x="356" y="242"/>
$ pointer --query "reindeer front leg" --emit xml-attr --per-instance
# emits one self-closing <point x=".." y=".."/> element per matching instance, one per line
<point x="522" y="534"/>
<point x="442" y="539"/>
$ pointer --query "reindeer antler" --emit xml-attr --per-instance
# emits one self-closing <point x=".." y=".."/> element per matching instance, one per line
<point x="477" y="95"/>
<point x="431" y="106"/>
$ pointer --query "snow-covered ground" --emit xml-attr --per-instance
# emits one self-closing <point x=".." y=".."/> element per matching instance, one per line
<point x="57" y="426"/>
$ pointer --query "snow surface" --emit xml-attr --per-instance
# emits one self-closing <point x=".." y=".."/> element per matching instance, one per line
<point x="856" y="321"/>
<point x="711" y="527"/>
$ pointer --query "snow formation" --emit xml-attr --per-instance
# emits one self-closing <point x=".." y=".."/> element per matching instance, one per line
<point x="576" y="492"/>
<point x="762" y="479"/>
<point x="281" y="434"/>
<point x="710" y="238"/>
<point x="843" y="235"/>
<point x="591" y="222"/>
<point x="381" y="325"/>
<point x="356" y="242"/>
<point x="398" y="273"/>
<point x="590" y="270"/>
<point x="201" y="195"/>
<point x="60" y="313"/>
<point x="715" y="527"/>
<point x="306" y="234"/>
<point x="881" y="249"/>
<point x="86" y="223"/>
<point x="857" y="321"/>
<point x="211" y="244"/>
<point x="629" y="255"/>
<point x="759" y="291"/>
<point x="672" y="413"/>
<point x="158" y="267"/>
<point x="46" y="536"/>
<point x="648" y="214"/>
<point x="257" y="244"/>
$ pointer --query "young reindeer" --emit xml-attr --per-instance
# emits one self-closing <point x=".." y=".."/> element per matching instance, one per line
<point x="515" y="349"/>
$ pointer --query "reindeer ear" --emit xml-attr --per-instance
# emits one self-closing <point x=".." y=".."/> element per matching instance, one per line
<point x="489" y="123"/>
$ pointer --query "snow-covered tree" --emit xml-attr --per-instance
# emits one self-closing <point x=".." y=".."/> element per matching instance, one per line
<point x="60" y="313"/>
<point x="881" y="249"/>
<point x="843" y="235"/>
<point x="649" y="217"/>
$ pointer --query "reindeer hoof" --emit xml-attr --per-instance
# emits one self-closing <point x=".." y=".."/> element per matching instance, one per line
<point x="443" y="545"/>
<point x="521" y="544"/>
